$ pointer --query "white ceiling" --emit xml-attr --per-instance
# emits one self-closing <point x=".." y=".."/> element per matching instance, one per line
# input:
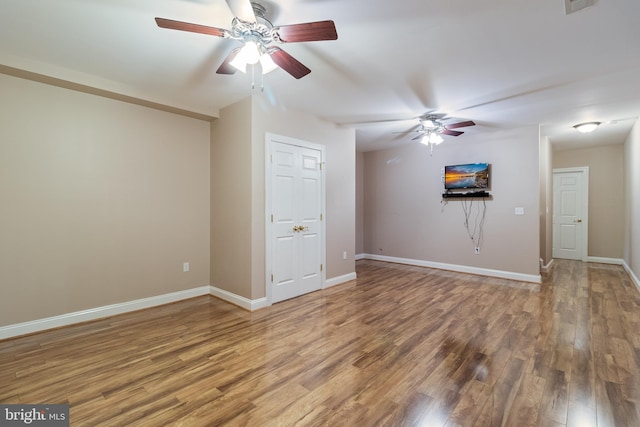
<point x="501" y="63"/>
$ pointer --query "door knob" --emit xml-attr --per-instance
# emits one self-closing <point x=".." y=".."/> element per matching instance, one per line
<point x="577" y="220"/>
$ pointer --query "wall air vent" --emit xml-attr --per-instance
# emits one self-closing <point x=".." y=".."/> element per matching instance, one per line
<point x="571" y="6"/>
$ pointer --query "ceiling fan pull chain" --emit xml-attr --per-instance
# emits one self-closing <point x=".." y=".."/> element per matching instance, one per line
<point x="261" y="82"/>
<point x="253" y="74"/>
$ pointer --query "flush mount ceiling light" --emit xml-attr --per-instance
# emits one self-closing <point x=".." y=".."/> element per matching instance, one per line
<point x="586" y="127"/>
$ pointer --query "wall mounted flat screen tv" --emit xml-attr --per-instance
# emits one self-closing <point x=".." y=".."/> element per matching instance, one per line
<point x="469" y="176"/>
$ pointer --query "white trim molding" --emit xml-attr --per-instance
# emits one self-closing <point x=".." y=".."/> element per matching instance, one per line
<point x="546" y="268"/>
<point x="361" y="256"/>
<point x="98" y="313"/>
<point x="631" y="274"/>
<point x="339" y="280"/>
<point x="533" y="278"/>
<point x="238" y="300"/>
<point x="602" y="260"/>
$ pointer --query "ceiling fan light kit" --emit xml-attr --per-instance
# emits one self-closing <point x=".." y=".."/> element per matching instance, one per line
<point x="431" y="129"/>
<point x="259" y="38"/>
<point x="586" y="127"/>
<point x="435" y="138"/>
<point x="431" y="138"/>
<point x="250" y="54"/>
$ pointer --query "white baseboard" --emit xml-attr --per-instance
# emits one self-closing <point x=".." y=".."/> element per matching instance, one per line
<point x="533" y="278"/>
<point x="40" y="325"/>
<point x="98" y="313"/>
<point x="602" y="260"/>
<point x="631" y="274"/>
<point x="238" y="300"/>
<point x="548" y="267"/>
<point x="340" y="280"/>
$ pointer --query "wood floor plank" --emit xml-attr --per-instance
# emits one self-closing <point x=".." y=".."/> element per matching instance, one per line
<point x="401" y="345"/>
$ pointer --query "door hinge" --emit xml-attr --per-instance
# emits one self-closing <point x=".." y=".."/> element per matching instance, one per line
<point x="321" y="163"/>
<point x="320" y="217"/>
<point x="271" y="158"/>
<point x="321" y="267"/>
<point x="272" y="278"/>
<point x="271" y="217"/>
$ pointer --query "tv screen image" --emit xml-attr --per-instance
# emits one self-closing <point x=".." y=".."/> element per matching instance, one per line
<point x="472" y="175"/>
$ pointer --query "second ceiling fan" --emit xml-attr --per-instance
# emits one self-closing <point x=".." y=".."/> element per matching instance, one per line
<point x="431" y="126"/>
<point x="259" y="38"/>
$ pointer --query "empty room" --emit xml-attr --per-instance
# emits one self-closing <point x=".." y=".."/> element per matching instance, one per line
<point x="297" y="212"/>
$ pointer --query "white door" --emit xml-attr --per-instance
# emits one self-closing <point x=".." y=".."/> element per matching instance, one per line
<point x="570" y="213"/>
<point x="296" y="231"/>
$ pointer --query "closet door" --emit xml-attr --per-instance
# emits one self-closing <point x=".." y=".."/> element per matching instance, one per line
<point x="296" y="228"/>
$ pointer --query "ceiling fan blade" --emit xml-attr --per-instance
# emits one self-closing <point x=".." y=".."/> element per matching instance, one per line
<point x="192" y="28"/>
<point x="226" y="67"/>
<point x="413" y="129"/>
<point x="288" y="63"/>
<point x="417" y="137"/>
<point x="242" y="9"/>
<point x="451" y="132"/>
<point x="307" y="32"/>
<point x="460" y="125"/>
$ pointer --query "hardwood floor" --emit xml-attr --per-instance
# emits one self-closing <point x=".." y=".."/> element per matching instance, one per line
<point x="401" y="346"/>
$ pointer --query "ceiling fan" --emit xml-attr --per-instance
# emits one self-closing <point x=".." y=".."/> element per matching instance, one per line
<point x="431" y="128"/>
<point x="431" y="124"/>
<point x="259" y="38"/>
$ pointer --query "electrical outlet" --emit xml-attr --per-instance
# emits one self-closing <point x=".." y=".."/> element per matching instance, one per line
<point x="477" y="250"/>
<point x="185" y="267"/>
<point x="344" y="255"/>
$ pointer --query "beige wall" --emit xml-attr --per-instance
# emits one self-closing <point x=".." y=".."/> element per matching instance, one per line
<point x="632" y="200"/>
<point x="359" y="202"/>
<point x="240" y="133"/>
<point x="231" y="198"/>
<point x="101" y="201"/>
<point x="406" y="218"/>
<point x="546" y="201"/>
<point x="606" y="195"/>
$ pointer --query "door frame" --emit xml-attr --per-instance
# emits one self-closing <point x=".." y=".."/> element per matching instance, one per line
<point x="584" y="176"/>
<point x="270" y="139"/>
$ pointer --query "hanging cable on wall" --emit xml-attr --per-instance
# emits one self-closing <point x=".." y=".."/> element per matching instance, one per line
<point x="474" y="224"/>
